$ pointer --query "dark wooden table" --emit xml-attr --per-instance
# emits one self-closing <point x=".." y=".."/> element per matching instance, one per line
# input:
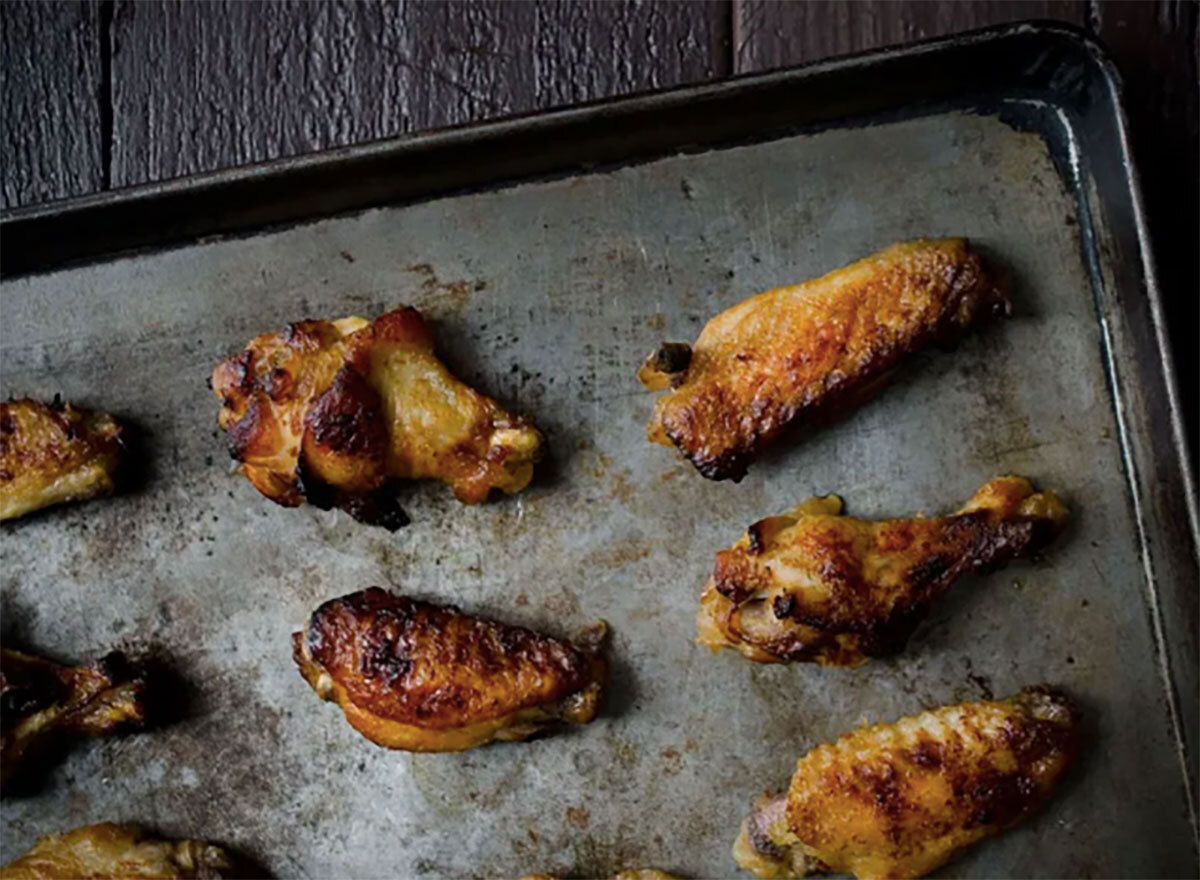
<point x="100" y="94"/>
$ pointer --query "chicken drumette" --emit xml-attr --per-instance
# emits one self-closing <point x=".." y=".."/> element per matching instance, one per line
<point x="44" y="703"/>
<point x="815" y="585"/>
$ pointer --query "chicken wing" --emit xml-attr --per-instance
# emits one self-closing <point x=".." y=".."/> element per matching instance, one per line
<point x="336" y="411"/>
<point x="43" y="702"/>
<point x="813" y="585"/>
<point x="899" y="800"/>
<point x="117" y="852"/>
<point x="54" y="452"/>
<point x="795" y="354"/>
<point x="427" y="678"/>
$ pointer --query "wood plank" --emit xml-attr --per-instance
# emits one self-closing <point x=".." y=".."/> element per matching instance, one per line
<point x="599" y="49"/>
<point x="198" y="86"/>
<point x="51" y="83"/>
<point x="769" y="34"/>
<point x="1155" y="45"/>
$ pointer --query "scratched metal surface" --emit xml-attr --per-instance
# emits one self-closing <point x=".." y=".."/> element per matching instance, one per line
<point x="547" y="295"/>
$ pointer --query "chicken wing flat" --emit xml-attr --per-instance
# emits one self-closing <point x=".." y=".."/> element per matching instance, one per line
<point x="813" y="585"/>
<point x="43" y="702"/>
<point x="53" y="452"/>
<point x="427" y="678"/>
<point x="899" y="800"/>
<point x="796" y="354"/>
<point x="336" y="412"/>
<point x="117" y="852"/>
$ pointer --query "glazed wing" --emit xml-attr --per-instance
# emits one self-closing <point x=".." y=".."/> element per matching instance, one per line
<point x="336" y="411"/>
<point x="54" y="452"/>
<point x="902" y="799"/>
<point x="43" y="702"/>
<point x="813" y="585"/>
<point x="428" y="678"/>
<point x="795" y="354"/>
<point x="117" y="852"/>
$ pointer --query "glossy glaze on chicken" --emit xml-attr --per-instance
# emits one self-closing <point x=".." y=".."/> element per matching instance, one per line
<point x="335" y="412"/>
<point x="51" y="453"/>
<point x="428" y="678"/>
<point x="899" y="800"/>
<point x="814" y="585"/>
<point x="798" y="354"/>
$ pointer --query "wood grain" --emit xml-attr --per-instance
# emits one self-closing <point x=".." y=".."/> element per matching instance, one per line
<point x="589" y="50"/>
<point x="198" y="86"/>
<point x="50" y="82"/>
<point x="769" y="34"/>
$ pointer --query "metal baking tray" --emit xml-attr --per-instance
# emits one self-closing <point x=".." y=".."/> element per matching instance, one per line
<point x="552" y="252"/>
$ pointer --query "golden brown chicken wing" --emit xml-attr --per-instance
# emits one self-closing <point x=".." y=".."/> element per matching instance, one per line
<point x="899" y="800"/>
<point x="427" y="678"/>
<point x="117" y="852"/>
<point x="795" y="354"/>
<point x="336" y="411"/>
<point x="814" y="585"/>
<point x="54" y="452"/>
<point x="42" y="702"/>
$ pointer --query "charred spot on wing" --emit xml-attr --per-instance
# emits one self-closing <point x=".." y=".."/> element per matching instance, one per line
<point x="26" y="689"/>
<point x="316" y="491"/>
<point x="998" y="798"/>
<point x="238" y="368"/>
<point x="244" y="431"/>
<point x="783" y="605"/>
<point x="927" y="754"/>
<point x="305" y="335"/>
<point x="930" y="569"/>
<point x="277" y="383"/>
<point x="666" y="366"/>
<point x="346" y="417"/>
<point x="383" y="659"/>
<point x="380" y="507"/>
<point x="755" y="534"/>
<point x="729" y="465"/>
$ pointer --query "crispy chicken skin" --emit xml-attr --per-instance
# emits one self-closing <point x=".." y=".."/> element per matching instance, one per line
<point x="900" y="800"/>
<point x="53" y="452"/>
<point x="43" y="702"/>
<point x="336" y="411"/>
<point x="117" y="852"/>
<point x="814" y="585"/>
<point x="427" y="678"/>
<point x="794" y="355"/>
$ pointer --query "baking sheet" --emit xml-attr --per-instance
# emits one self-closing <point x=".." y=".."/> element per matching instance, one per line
<point x="547" y="295"/>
